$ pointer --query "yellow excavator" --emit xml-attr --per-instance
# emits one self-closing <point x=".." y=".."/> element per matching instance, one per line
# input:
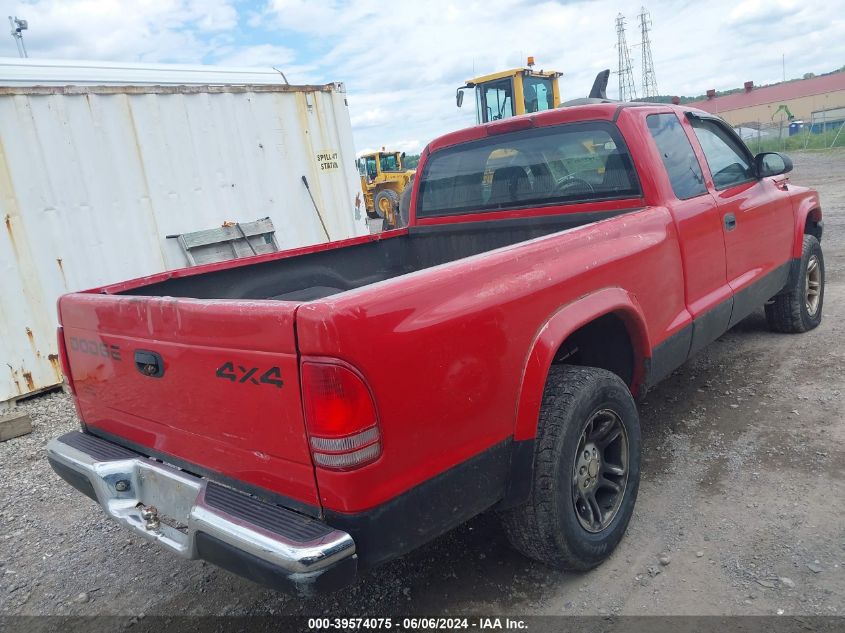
<point x="383" y="179"/>
<point x="512" y="92"/>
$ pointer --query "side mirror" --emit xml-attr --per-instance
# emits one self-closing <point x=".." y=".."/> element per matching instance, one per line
<point x="772" y="164"/>
<point x="459" y="97"/>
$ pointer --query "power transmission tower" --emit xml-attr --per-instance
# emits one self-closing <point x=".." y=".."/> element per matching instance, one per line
<point x="649" y="84"/>
<point x="627" y="90"/>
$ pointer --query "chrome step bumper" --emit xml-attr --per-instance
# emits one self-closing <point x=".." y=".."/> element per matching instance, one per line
<point x="197" y="518"/>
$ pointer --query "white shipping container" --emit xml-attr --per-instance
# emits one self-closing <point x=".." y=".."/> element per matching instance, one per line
<point x="94" y="175"/>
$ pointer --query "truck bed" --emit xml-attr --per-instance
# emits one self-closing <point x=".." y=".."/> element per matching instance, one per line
<point x="327" y="272"/>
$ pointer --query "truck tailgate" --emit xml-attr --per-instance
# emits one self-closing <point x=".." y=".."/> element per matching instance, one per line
<point x="209" y="383"/>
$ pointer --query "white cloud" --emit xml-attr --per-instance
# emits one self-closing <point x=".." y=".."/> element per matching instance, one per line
<point x="768" y="10"/>
<point x="141" y="30"/>
<point x="216" y="15"/>
<point x="257" y="55"/>
<point x="410" y="146"/>
<point x="369" y="118"/>
<point x="401" y="64"/>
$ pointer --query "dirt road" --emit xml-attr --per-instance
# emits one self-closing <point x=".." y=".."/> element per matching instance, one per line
<point x="743" y="489"/>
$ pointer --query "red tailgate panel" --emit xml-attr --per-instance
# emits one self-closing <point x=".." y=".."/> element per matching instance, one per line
<point x="228" y="399"/>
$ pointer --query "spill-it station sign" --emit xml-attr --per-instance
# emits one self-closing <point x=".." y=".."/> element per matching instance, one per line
<point x="328" y="160"/>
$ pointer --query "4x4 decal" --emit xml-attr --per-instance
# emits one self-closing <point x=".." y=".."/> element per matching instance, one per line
<point x="241" y="374"/>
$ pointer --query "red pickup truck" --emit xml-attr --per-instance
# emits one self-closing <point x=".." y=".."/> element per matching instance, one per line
<point x="301" y="416"/>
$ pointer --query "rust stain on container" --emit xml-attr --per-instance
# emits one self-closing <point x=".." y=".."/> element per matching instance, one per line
<point x="11" y="233"/>
<point x="8" y="191"/>
<point x="54" y="362"/>
<point x="15" y="380"/>
<point x="31" y="337"/>
<point x="30" y="383"/>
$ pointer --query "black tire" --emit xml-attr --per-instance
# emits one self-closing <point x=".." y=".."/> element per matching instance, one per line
<point x="393" y="199"/>
<point x="793" y="310"/>
<point x="405" y="206"/>
<point x="547" y="527"/>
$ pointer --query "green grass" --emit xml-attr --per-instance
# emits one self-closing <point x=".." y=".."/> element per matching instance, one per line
<point x="796" y="142"/>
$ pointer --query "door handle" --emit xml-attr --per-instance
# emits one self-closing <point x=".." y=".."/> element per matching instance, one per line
<point x="730" y="221"/>
<point x="149" y="363"/>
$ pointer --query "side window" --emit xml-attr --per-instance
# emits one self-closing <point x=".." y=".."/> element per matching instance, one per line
<point x="728" y="161"/>
<point x="677" y="154"/>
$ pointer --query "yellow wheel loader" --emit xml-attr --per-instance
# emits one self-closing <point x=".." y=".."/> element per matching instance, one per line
<point x="383" y="178"/>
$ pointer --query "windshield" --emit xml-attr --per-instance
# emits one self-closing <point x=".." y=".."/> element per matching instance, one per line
<point x="575" y="162"/>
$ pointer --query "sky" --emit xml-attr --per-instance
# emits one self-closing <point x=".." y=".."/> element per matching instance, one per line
<point x="401" y="61"/>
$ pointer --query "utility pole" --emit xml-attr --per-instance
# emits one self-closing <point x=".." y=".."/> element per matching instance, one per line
<point x="627" y="90"/>
<point x="18" y="27"/>
<point x="649" y="83"/>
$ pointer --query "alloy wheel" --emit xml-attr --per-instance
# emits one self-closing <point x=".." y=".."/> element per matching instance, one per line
<point x="600" y="472"/>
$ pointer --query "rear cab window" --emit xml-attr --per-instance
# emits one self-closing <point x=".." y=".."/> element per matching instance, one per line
<point x="553" y="165"/>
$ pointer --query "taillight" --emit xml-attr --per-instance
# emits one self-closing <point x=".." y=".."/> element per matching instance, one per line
<point x="340" y="416"/>
<point x="63" y="360"/>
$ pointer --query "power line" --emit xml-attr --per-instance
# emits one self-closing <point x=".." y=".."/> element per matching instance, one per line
<point x="649" y="82"/>
<point x="627" y="90"/>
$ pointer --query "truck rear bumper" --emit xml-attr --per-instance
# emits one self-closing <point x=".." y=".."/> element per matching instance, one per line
<point x="198" y="518"/>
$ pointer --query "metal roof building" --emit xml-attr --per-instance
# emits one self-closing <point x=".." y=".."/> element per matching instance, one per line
<point x="807" y="99"/>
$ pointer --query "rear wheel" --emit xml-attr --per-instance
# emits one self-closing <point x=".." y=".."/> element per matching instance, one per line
<point x="404" y="207"/>
<point x="586" y="471"/>
<point x="387" y="206"/>
<point x="799" y="307"/>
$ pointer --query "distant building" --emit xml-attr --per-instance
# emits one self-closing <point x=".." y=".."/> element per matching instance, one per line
<point x="818" y="101"/>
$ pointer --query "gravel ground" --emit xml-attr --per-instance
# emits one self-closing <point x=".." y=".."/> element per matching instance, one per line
<point x="741" y="508"/>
